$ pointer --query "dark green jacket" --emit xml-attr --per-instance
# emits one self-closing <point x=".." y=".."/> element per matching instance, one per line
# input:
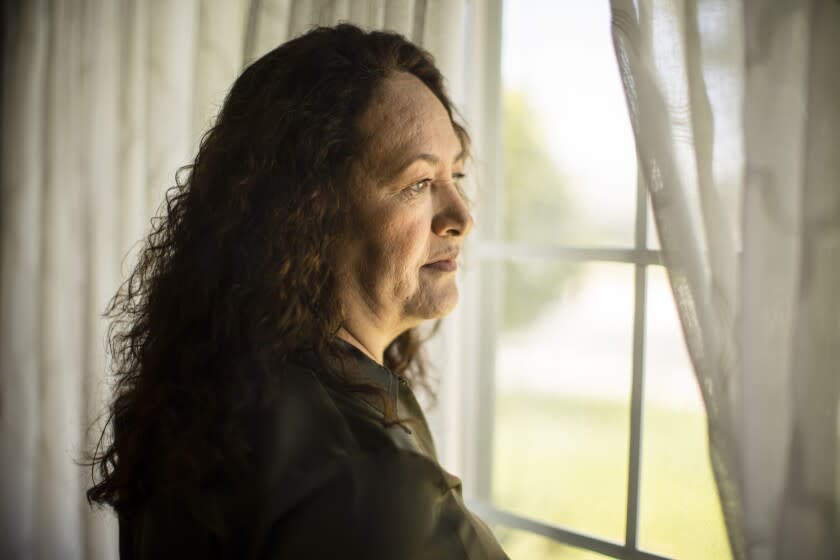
<point x="331" y="482"/>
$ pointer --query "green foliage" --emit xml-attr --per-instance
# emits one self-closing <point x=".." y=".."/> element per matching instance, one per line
<point x="536" y="208"/>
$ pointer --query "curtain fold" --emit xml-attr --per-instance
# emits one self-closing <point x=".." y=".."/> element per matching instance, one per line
<point x="23" y="177"/>
<point x="735" y="114"/>
<point x="102" y="101"/>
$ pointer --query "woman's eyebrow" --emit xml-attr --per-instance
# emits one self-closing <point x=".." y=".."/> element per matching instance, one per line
<point x="393" y="171"/>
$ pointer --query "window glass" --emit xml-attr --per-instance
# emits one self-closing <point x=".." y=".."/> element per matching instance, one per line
<point x="563" y="370"/>
<point x="680" y="513"/>
<point x="569" y="160"/>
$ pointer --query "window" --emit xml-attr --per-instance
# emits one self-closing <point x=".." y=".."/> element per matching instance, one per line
<point x="583" y="432"/>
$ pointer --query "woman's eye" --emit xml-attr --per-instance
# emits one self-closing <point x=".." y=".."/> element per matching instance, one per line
<point x="420" y="186"/>
<point x="416" y="188"/>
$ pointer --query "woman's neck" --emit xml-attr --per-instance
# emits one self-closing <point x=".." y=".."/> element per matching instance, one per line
<point x="369" y="349"/>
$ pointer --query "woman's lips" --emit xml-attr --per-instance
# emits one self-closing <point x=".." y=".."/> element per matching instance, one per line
<point x="445" y="266"/>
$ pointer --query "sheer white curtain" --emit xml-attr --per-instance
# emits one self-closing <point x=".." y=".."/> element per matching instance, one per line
<point x="101" y="102"/>
<point x="737" y="122"/>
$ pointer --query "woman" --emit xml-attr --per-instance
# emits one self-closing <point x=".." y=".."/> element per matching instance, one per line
<point x="265" y="346"/>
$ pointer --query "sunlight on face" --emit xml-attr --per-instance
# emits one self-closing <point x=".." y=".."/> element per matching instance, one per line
<point x="409" y="210"/>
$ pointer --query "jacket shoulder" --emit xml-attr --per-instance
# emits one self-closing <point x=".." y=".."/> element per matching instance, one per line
<point x="303" y="426"/>
<point x="393" y="503"/>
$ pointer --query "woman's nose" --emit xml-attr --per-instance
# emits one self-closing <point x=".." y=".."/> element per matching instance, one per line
<point x="453" y="216"/>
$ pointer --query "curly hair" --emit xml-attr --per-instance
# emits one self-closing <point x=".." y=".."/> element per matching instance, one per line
<point x="235" y="277"/>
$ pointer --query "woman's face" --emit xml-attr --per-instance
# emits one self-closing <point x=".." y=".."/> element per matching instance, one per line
<point x="409" y="212"/>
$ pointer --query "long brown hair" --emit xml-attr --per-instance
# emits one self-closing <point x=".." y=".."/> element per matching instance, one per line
<point x="235" y="277"/>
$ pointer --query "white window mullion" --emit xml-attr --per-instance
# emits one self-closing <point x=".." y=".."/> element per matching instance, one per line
<point x="637" y="387"/>
<point x="546" y="251"/>
<point x="484" y="115"/>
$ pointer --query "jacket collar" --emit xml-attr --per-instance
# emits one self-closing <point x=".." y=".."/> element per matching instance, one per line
<point x="358" y="368"/>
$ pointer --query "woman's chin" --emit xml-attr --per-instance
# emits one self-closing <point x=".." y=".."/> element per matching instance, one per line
<point x="437" y="306"/>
